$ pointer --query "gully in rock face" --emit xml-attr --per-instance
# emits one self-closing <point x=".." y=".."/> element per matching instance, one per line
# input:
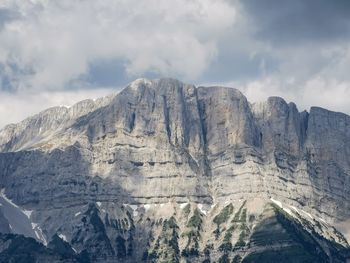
<point x="164" y="171"/>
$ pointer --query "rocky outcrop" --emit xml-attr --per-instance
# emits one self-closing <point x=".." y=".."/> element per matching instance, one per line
<point x="40" y="128"/>
<point x="163" y="142"/>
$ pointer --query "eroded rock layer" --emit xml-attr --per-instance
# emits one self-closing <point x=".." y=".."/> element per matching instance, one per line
<point x="166" y="143"/>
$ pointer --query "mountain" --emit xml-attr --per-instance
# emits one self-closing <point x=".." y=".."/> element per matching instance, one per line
<point x="164" y="171"/>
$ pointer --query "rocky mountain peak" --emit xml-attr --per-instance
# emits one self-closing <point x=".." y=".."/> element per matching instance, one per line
<point x="127" y="165"/>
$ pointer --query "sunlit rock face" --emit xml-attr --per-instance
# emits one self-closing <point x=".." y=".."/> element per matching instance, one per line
<point x="105" y="174"/>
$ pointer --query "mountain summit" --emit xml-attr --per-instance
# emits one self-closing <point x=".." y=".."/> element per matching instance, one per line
<point x="164" y="171"/>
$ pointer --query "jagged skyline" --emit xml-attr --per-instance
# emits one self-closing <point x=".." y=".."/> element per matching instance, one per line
<point x="164" y="171"/>
<point x="54" y="53"/>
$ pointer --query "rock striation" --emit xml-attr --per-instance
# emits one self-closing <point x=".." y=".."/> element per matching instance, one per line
<point x="114" y="176"/>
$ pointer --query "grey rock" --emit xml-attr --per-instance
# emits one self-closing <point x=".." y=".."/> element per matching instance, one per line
<point x="163" y="142"/>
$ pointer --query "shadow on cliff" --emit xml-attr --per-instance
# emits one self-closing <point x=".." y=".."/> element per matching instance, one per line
<point x="52" y="184"/>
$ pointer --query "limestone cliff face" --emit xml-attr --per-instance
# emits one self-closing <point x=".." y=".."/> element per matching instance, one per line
<point x="162" y="139"/>
<point x="166" y="142"/>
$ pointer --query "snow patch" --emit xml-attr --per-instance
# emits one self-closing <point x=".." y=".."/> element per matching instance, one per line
<point x="18" y="217"/>
<point x="28" y="213"/>
<point x="308" y="214"/>
<point x="295" y="209"/>
<point x="200" y="207"/>
<point x="39" y="233"/>
<point x="133" y="207"/>
<point x="2" y="194"/>
<point x="76" y="214"/>
<point x="277" y="202"/>
<point x="286" y="209"/>
<point x="305" y="213"/>
<point x="183" y="205"/>
<point x="322" y="220"/>
<point x="63" y="237"/>
<point x="147" y="206"/>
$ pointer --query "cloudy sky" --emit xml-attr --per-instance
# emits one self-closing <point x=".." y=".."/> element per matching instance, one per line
<point x="59" y="52"/>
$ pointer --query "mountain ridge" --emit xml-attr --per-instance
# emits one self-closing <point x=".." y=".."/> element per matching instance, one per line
<point x="273" y="107"/>
<point x="125" y="167"/>
<point x="95" y="104"/>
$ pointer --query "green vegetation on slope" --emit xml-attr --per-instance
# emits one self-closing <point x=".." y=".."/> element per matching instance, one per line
<point x="166" y="248"/>
<point x="194" y="224"/>
<point x="221" y="218"/>
<point x="224" y="215"/>
<point x="287" y="240"/>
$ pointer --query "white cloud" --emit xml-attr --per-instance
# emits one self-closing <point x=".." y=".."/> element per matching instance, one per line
<point x="328" y="93"/>
<point x="49" y="45"/>
<point x="310" y="74"/>
<point x="52" y="43"/>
